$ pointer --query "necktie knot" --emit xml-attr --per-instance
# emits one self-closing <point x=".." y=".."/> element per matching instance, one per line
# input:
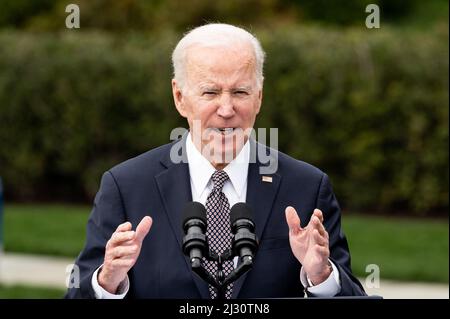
<point x="219" y="178"/>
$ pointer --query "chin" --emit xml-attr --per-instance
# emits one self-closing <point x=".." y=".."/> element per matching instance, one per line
<point x="223" y="148"/>
<point x="220" y="153"/>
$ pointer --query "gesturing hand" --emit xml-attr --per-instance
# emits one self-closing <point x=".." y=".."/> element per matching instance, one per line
<point x="122" y="251"/>
<point x="310" y="245"/>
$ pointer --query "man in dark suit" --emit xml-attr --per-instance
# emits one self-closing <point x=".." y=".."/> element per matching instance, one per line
<point x="217" y="87"/>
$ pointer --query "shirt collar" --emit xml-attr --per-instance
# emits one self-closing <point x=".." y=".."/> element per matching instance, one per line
<point x="200" y="169"/>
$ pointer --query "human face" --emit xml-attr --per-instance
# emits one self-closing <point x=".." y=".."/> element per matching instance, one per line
<point x="220" y="99"/>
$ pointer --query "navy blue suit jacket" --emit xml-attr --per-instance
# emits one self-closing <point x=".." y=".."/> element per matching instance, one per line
<point x="151" y="184"/>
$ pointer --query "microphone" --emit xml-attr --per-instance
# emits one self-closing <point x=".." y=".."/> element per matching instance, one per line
<point x="194" y="226"/>
<point x="245" y="242"/>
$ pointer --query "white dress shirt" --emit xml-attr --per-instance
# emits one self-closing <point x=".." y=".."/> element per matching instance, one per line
<point x="235" y="189"/>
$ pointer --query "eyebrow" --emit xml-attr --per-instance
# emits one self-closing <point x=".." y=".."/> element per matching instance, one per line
<point x="215" y="88"/>
<point x="209" y="88"/>
<point x="242" y="88"/>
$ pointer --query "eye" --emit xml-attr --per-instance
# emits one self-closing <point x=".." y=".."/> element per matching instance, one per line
<point x="240" y="92"/>
<point x="209" y="93"/>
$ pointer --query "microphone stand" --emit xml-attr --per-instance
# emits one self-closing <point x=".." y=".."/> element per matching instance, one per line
<point x="220" y="283"/>
<point x="244" y="244"/>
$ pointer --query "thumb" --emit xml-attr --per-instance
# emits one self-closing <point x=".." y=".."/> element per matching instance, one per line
<point x="143" y="228"/>
<point x="292" y="220"/>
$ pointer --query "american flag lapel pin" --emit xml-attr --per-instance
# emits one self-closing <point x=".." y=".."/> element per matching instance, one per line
<point x="267" y="179"/>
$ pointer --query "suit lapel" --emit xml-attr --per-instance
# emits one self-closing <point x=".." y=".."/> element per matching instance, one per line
<point x="260" y="197"/>
<point x="175" y="191"/>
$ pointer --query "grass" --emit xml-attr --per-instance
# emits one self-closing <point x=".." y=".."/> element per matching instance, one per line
<point x="29" y="292"/>
<point x="404" y="249"/>
<point x="57" y="230"/>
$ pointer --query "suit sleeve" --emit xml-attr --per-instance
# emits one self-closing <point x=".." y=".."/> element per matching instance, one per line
<point x="339" y="251"/>
<point x="108" y="212"/>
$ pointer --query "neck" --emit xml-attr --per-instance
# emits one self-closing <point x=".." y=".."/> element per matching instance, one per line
<point x="219" y="166"/>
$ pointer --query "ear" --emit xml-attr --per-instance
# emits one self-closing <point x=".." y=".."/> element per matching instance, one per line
<point x="178" y="98"/>
<point x="260" y="96"/>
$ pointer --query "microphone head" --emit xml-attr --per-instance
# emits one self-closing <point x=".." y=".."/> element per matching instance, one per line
<point x="240" y="211"/>
<point x="194" y="210"/>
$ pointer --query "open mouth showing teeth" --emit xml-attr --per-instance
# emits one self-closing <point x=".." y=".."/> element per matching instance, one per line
<point x="225" y="130"/>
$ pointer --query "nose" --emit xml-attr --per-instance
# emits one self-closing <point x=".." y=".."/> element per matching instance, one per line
<point x="226" y="108"/>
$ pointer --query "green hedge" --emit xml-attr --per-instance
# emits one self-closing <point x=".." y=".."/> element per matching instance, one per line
<point x="370" y="107"/>
<point x="144" y="15"/>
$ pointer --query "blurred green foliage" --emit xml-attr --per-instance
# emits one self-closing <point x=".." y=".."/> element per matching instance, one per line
<point x="368" y="107"/>
<point x="370" y="110"/>
<point x="145" y="15"/>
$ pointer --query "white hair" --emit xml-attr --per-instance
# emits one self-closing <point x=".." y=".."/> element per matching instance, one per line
<point x="215" y="35"/>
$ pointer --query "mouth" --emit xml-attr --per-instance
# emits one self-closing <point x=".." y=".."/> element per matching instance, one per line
<point x="224" y="130"/>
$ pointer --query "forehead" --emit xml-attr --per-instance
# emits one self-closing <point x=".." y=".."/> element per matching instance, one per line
<point x="221" y="64"/>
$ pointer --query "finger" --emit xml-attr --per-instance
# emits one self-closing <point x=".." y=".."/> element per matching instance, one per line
<point x="314" y="223"/>
<point x="293" y="220"/>
<point x="129" y="242"/>
<point x="123" y="227"/>
<point x="123" y="251"/>
<point x="124" y="263"/>
<point x="317" y="212"/>
<point x="143" y="228"/>
<point x="323" y="232"/>
<point x="319" y="239"/>
<point x="121" y="238"/>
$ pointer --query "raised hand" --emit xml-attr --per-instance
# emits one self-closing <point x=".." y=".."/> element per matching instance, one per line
<point x="122" y="252"/>
<point x="310" y="245"/>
